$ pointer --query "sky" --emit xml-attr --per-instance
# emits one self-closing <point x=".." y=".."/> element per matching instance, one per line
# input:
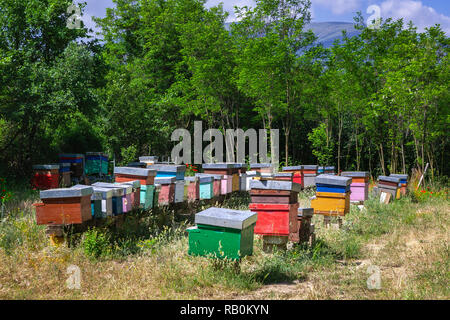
<point x="424" y="13"/>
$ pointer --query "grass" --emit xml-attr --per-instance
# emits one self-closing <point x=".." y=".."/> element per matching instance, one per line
<point x="146" y="257"/>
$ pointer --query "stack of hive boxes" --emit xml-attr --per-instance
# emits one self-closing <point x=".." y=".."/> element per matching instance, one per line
<point x="332" y="195"/>
<point x="64" y="206"/>
<point x="228" y="170"/>
<point x="146" y="177"/>
<point x="309" y="175"/>
<point x="389" y="185"/>
<point x="45" y="176"/>
<point x="222" y="233"/>
<point x="276" y="203"/>
<point x="298" y="174"/>
<point x="172" y="171"/>
<point x="148" y="160"/>
<point x="360" y="185"/>
<point x="76" y="163"/>
<point x="96" y="163"/>
<point x="403" y="186"/>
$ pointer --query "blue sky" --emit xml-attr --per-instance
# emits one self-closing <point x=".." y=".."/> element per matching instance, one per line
<point x="423" y="13"/>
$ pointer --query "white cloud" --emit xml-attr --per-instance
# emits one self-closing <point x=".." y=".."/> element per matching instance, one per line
<point x="422" y="16"/>
<point x="339" y="6"/>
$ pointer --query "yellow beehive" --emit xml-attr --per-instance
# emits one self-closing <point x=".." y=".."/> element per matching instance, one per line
<point x="328" y="203"/>
<point x="235" y="182"/>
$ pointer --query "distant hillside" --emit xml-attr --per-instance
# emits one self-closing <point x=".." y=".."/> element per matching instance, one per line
<point x="328" y="32"/>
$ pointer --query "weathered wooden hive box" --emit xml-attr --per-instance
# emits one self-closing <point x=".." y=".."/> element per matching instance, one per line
<point x="148" y="160"/>
<point x="192" y="188"/>
<point x="76" y="163"/>
<point x="127" y="203"/>
<point x="167" y="190"/>
<point x="64" y="206"/>
<point x="126" y="174"/>
<point x="309" y="175"/>
<point x="298" y="174"/>
<point x="262" y="167"/>
<point x="305" y="227"/>
<point x="389" y="185"/>
<point x="96" y="163"/>
<point x="332" y="196"/>
<point x="118" y="195"/>
<point x="217" y="182"/>
<point x="64" y="175"/>
<point x="403" y="185"/>
<point x="136" y="194"/>
<point x="250" y="175"/>
<point x="96" y="201"/>
<point x="169" y="171"/>
<point x="107" y="204"/>
<point x="222" y="233"/>
<point x="360" y="185"/>
<point x="45" y="176"/>
<point x="276" y="203"/>
<point x="225" y="169"/>
<point x="206" y="185"/>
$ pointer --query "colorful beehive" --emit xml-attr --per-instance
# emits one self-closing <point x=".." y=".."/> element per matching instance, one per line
<point x="118" y="196"/>
<point x="298" y="174"/>
<point x="403" y="182"/>
<point x="64" y="175"/>
<point x="126" y="174"/>
<point x="276" y="203"/>
<point x="169" y="171"/>
<point x="262" y="167"/>
<point x="76" y="163"/>
<point x="309" y="175"/>
<point x="389" y="185"/>
<point x="64" y="206"/>
<point x="192" y="188"/>
<point x="96" y="163"/>
<point x="96" y="201"/>
<point x="217" y="182"/>
<point x="136" y="193"/>
<point x="45" y="176"/>
<point x="250" y="175"/>
<point x="179" y="191"/>
<point x="107" y="205"/>
<point x="167" y="190"/>
<point x="360" y="185"/>
<point x="229" y="172"/>
<point x="148" y="196"/>
<point x="222" y="233"/>
<point x="127" y="202"/>
<point x="149" y="160"/>
<point x="239" y="177"/>
<point x="332" y="196"/>
<point x="206" y="185"/>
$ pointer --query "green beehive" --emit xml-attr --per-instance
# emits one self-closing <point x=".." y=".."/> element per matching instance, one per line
<point x="222" y="233"/>
<point x="147" y="196"/>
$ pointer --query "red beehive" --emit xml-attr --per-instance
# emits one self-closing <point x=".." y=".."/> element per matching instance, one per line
<point x="167" y="191"/>
<point x="298" y="176"/>
<point x="193" y="188"/>
<point x="276" y="219"/>
<point x="45" y="177"/>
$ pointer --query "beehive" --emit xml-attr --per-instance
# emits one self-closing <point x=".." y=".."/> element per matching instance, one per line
<point x="192" y="188"/>
<point x="64" y="206"/>
<point x="167" y="190"/>
<point x="403" y="185"/>
<point x="45" y="176"/>
<point x="206" y="185"/>
<point x="126" y="174"/>
<point x="96" y="163"/>
<point x="96" y="201"/>
<point x="222" y="233"/>
<point x="360" y="185"/>
<point x="136" y="193"/>
<point x="332" y="196"/>
<point x="169" y="171"/>
<point x="148" y="196"/>
<point x="309" y="175"/>
<point x="107" y="206"/>
<point x="298" y="174"/>
<point x="76" y="163"/>
<point x="388" y="185"/>
<point x="118" y="196"/>
<point x="179" y="191"/>
<point x="230" y="171"/>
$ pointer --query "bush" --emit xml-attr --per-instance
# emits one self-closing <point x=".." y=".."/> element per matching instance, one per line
<point x="96" y="244"/>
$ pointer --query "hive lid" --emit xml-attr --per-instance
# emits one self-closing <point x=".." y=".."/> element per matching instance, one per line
<point x="168" y="167"/>
<point x="260" y="165"/>
<point x="135" y="184"/>
<point x="165" y="180"/>
<point x="305" y="212"/>
<point x="66" y="193"/>
<point x="148" y="158"/>
<point x="389" y="179"/>
<point x="118" y="191"/>
<point x="135" y="171"/>
<point x="217" y="165"/>
<point x="358" y="174"/>
<point x="333" y="180"/>
<point x="46" y="167"/>
<point x="253" y="174"/>
<point x="401" y="176"/>
<point x="228" y="218"/>
<point x="310" y="167"/>
<point x="215" y="176"/>
<point x="275" y="185"/>
<point x="96" y="195"/>
<point x="293" y="168"/>
<point x="137" y="165"/>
